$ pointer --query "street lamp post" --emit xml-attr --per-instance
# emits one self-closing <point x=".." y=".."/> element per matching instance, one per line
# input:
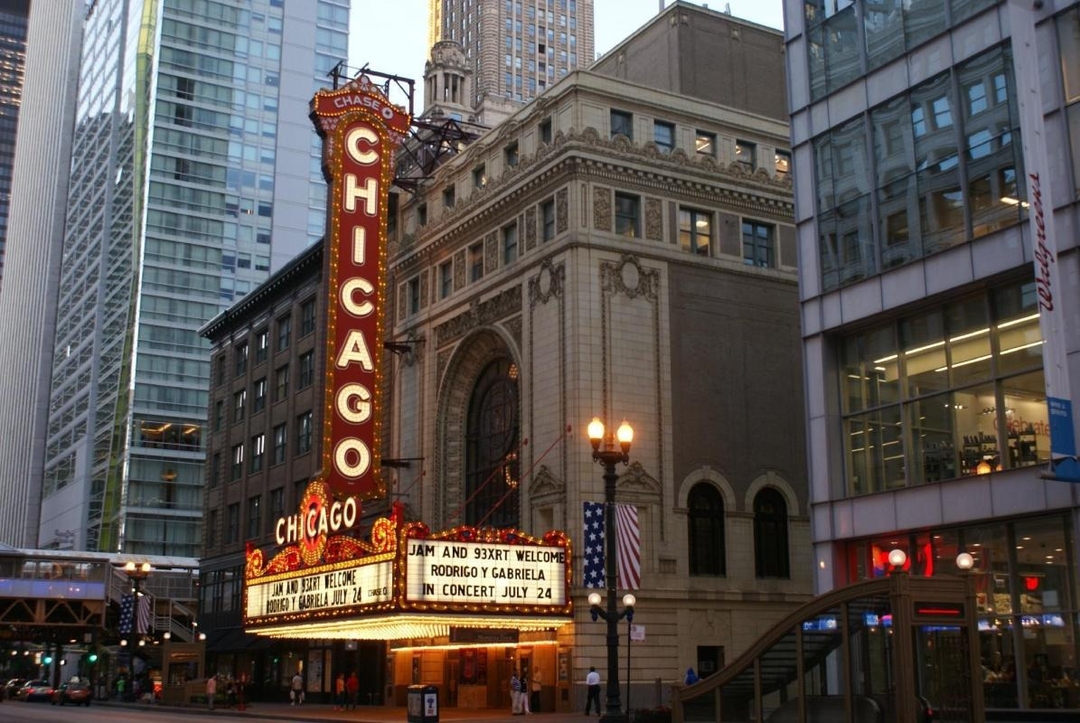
<point x="136" y="573"/>
<point x="607" y="455"/>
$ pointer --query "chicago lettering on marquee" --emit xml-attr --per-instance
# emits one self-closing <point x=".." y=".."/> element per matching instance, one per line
<point x="360" y="129"/>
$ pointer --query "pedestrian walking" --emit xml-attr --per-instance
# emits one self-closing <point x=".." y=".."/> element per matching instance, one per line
<point x="211" y="691"/>
<point x="515" y="694"/>
<point x="352" y="688"/>
<point x="592" y="680"/>
<point x="296" y="694"/>
<point x="525" y="693"/>
<point x="339" y="692"/>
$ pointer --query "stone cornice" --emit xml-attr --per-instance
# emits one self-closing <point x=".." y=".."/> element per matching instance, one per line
<point x="617" y="159"/>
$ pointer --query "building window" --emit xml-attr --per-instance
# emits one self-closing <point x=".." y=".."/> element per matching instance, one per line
<point x="254" y="517"/>
<point x="284" y="332"/>
<point x="628" y="215"/>
<point x="258" y="452"/>
<point x="307" y="369"/>
<point x="421" y="215"/>
<point x="219" y="415"/>
<point x="259" y="388"/>
<point x="307" y="317"/>
<point x="232" y="523"/>
<point x="303" y="433"/>
<point x="771" y="535"/>
<point x="476" y="262"/>
<point x="744" y="154"/>
<point x="237" y="470"/>
<point x="695" y="231"/>
<point x="510" y="244"/>
<point x="622" y="124"/>
<point x="281" y="383"/>
<point x="281" y="436"/>
<point x="277" y="504"/>
<point x="950" y="392"/>
<point x="239" y="400"/>
<point x="510" y="155"/>
<point x="664" y="135"/>
<point x="708" y="553"/>
<point x="446" y="279"/>
<point x="758" y="246"/>
<point x="547" y="219"/>
<point x="545" y="130"/>
<point x="241" y="359"/>
<point x="215" y="469"/>
<point x="705" y="143"/>
<point x="262" y="345"/>
<point x="413" y="292"/>
<point x="783" y="163"/>
<point x="491" y="445"/>
<point x="448" y="197"/>
<point x="220" y="364"/>
<point x="479" y="177"/>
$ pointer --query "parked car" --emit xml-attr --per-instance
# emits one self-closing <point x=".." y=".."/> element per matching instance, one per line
<point x="11" y="688"/>
<point x="74" y="692"/>
<point x="36" y="690"/>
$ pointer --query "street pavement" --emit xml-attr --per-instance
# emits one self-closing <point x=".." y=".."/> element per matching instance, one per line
<point x="317" y="712"/>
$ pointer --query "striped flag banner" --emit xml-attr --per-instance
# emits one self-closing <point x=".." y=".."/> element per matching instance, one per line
<point x="143" y="624"/>
<point x="627" y="547"/>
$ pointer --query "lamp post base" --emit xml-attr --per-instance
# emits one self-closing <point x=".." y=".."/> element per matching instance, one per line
<point x="618" y="717"/>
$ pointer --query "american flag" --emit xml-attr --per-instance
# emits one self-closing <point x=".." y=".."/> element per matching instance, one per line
<point x="627" y="547"/>
<point x="126" y="607"/>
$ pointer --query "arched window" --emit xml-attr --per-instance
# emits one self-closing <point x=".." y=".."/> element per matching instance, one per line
<point x="770" y="534"/>
<point x="708" y="555"/>
<point x="491" y="449"/>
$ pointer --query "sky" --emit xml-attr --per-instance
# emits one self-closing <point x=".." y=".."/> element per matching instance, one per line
<point x="390" y="36"/>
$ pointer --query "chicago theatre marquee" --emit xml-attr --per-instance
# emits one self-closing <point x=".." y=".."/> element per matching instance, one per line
<point x="468" y="601"/>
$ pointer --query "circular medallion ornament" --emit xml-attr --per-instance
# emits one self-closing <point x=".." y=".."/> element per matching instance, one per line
<point x="313" y="506"/>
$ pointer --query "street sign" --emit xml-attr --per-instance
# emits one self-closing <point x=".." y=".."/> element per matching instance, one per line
<point x="637" y="633"/>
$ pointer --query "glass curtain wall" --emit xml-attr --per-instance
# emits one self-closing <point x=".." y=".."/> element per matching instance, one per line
<point x="924" y="171"/>
<point x="952" y="392"/>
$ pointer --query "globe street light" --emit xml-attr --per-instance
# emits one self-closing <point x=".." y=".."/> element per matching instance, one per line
<point x="607" y="455"/>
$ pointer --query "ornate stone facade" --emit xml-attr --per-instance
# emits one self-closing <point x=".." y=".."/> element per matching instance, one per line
<point x="595" y="323"/>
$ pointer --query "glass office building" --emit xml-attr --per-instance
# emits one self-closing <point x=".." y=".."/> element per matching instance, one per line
<point x="926" y="362"/>
<point x="195" y="173"/>
<point x="13" y="21"/>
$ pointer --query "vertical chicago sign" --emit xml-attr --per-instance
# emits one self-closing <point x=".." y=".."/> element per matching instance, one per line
<point x="360" y="129"/>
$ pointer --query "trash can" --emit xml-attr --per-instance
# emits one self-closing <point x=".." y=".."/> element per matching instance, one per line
<point x="423" y="704"/>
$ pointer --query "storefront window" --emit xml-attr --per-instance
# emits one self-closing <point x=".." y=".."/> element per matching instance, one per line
<point x="1025" y="598"/>
<point x="938" y="395"/>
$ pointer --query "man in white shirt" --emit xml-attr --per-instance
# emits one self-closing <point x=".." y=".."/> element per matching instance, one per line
<point x="592" y="680"/>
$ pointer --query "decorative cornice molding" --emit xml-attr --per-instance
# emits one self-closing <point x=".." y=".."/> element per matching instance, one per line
<point x="752" y="191"/>
<point x="506" y="303"/>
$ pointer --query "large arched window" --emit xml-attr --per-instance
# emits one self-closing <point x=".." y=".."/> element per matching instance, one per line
<point x="708" y="554"/>
<point x="491" y="449"/>
<point x="770" y="534"/>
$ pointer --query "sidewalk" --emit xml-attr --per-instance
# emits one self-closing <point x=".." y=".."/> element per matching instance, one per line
<point x="318" y="712"/>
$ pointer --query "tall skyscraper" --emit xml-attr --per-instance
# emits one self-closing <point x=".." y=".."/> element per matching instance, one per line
<point x="515" y="48"/>
<point x="36" y="231"/>
<point x="939" y="320"/>
<point x="194" y="173"/>
<point x="13" y="21"/>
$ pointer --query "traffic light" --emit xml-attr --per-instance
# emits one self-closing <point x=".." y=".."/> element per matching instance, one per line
<point x="92" y="657"/>
<point x="47" y="660"/>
